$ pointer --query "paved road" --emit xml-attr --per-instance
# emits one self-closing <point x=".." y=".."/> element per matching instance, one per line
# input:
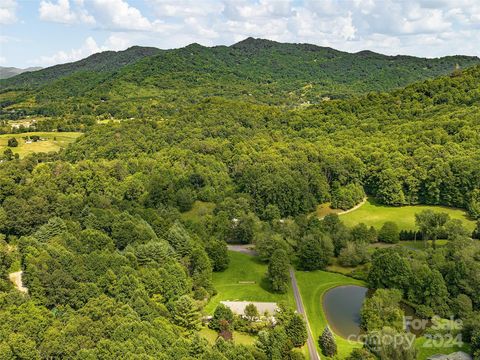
<point x="312" y="349"/>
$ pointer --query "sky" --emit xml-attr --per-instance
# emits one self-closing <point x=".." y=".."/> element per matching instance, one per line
<point x="48" y="32"/>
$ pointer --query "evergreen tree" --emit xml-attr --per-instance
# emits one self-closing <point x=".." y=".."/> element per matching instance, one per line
<point x="186" y="313"/>
<point x="251" y="312"/>
<point x="218" y="253"/>
<point x="327" y="343"/>
<point x="296" y="331"/>
<point x="54" y="227"/>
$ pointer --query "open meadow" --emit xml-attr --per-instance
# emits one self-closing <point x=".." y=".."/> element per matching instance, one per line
<point x="373" y="214"/>
<point x="49" y="142"/>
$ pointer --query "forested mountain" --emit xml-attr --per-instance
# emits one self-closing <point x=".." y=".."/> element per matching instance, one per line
<point x="8" y="72"/>
<point x="106" y="61"/>
<point x="146" y="81"/>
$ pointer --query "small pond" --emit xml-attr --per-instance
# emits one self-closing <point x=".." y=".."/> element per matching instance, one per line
<point x="342" y="307"/>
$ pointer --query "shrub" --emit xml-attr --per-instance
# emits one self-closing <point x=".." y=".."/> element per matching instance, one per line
<point x="389" y="233"/>
<point x="12" y="142"/>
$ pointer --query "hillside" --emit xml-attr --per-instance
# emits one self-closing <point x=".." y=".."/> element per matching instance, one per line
<point x="8" y="72"/>
<point x="106" y="61"/>
<point x="253" y="70"/>
<point x="410" y="146"/>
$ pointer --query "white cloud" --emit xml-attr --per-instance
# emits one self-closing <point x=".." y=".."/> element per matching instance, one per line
<point x="8" y="12"/>
<point x="61" y="12"/>
<point x="186" y="8"/>
<point x="3" y="60"/>
<point x="119" y="15"/>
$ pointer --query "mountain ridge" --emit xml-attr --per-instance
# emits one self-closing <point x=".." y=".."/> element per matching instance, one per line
<point x="253" y="70"/>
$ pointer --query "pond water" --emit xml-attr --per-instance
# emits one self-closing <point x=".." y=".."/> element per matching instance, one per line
<point x="342" y="307"/>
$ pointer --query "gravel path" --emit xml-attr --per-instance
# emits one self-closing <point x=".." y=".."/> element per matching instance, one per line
<point x="349" y="210"/>
<point x="16" y="279"/>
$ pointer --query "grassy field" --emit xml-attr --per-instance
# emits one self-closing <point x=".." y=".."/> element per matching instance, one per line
<point x="425" y="351"/>
<point x="312" y="287"/>
<point x="372" y="213"/>
<point x="244" y="280"/>
<point x="238" y="337"/>
<point x="198" y="210"/>
<point x="53" y="141"/>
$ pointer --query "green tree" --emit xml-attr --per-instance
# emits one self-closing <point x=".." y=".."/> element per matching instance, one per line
<point x="296" y="330"/>
<point x="278" y="271"/>
<point x="12" y="142"/>
<point x="381" y="343"/>
<point x="274" y="343"/>
<point x="360" y="354"/>
<point x="185" y="198"/>
<point x="186" y="313"/>
<point x="8" y="154"/>
<point x="361" y="233"/>
<point x="354" y="254"/>
<point x="389" y="269"/>
<point x="382" y="309"/>
<point x="431" y="224"/>
<point x="221" y="314"/>
<point x="327" y="343"/>
<point x="218" y="253"/>
<point x="474" y="204"/>
<point x="314" y="252"/>
<point x="251" y="312"/>
<point x="389" y="233"/>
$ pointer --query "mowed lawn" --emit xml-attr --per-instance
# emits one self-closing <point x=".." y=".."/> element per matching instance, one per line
<point x="312" y="286"/>
<point x="374" y="214"/>
<point x="244" y="280"/>
<point x="53" y="141"/>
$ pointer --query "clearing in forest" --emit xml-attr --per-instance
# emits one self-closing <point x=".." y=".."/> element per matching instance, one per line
<point x="48" y="142"/>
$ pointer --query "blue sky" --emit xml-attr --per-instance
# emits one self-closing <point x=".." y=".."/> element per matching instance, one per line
<point x="47" y="32"/>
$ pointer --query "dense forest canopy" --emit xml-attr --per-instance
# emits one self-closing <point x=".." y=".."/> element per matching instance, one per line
<point x="115" y="270"/>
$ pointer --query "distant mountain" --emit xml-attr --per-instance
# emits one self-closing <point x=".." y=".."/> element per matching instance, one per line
<point x="106" y="61"/>
<point x="253" y="70"/>
<point x="8" y="72"/>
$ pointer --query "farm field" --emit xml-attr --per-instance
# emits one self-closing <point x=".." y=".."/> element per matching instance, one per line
<point x="244" y="280"/>
<point x="53" y="141"/>
<point x="374" y="214"/>
<point x="312" y="287"/>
